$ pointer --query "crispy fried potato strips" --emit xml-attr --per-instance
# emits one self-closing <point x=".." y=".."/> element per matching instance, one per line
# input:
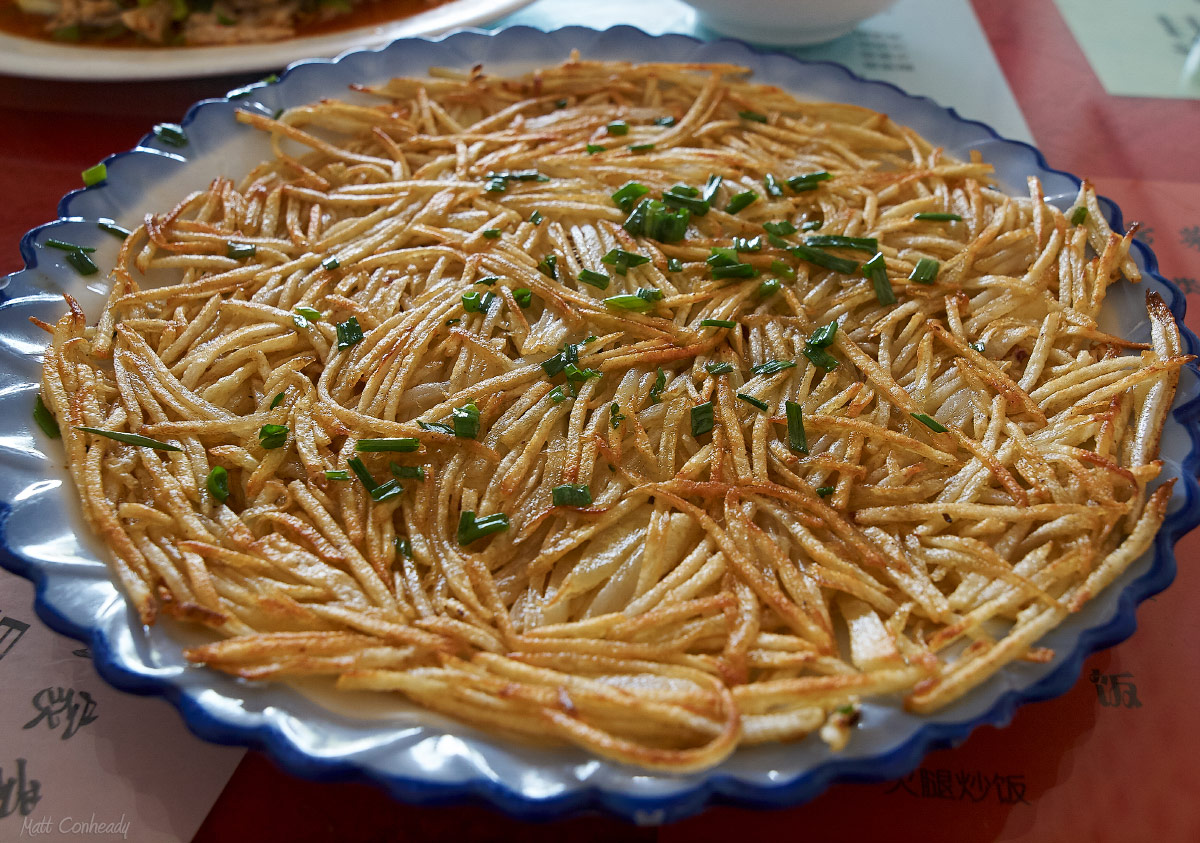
<point x="653" y="563"/>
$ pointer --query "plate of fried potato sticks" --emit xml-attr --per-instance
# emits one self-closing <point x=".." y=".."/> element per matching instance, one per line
<point x="506" y="416"/>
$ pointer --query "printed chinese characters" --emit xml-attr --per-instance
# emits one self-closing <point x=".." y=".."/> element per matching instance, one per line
<point x="55" y="705"/>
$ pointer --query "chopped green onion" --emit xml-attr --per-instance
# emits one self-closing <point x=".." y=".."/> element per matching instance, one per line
<point x="491" y="233"/>
<point x="272" y="436"/>
<point x="523" y="296"/>
<point x="404" y="547"/>
<point x="818" y="257"/>
<point x="641" y="147"/>
<point x="937" y="216"/>
<point x="561" y="102"/>
<point x="743" y="244"/>
<point x="555" y="364"/>
<point x="875" y="270"/>
<point x="466" y="421"/>
<point x="94" y="174"/>
<point x="403" y="445"/>
<point x="276" y="401"/>
<point x="487" y="280"/>
<point x="824" y="492"/>
<point x="571" y="495"/>
<point x="753" y="116"/>
<point x="387" y="489"/>
<point x="925" y="271"/>
<point x="408" y="472"/>
<point x="654" y="219"/>
<point x="497" y="186"/>
<point x="820" y="357"/>
<point x="114" y="229"/>
<point x="237" y="251"/>
<point x="364" y="476"/>
<point x="710" y="188"/>
<point x="797" y="440"/>
<point x="737" y="270"/>
<point x="617" y="128"/>
<point x="45" y="419"/>
<point x="781" y="268"/>
<point x="471" y="529"/>
<point x="308" y="313"/>
<point x="722" y="256"/>
<point x="656" y="388"/>
<point x="548" y="266"/>
<point x="718" y="323"/>
<point x="702" y="418"/>
<point x="808" y="181"/>
<point x="741" y="201"/>
<point x="171" y="134"/>
<point x="517" y="175"/>
<point x="337" y="474"/>
<point x="1079" y="215"/>
<point x="628" y="301"/>
<point x="435" y="427"/>
<point x="839" y="241"/>
<point x="978" y="346"/>
<point x="718" y="368"/>
<point x="218" y="484"/>
<point x="331" y="264"/>
<point x="82" y="263"/>
<point x="754" y="402"/>
<point x="823" y="337"/>
<point x="349" y="333"/>
<point x="615" y="416"/>
<point x="674" y="265"/>
<point x="557" y="395"/>
<point x="628" y="194"/>
<point x="781" y="228"/>
<point x="666" y="121"/>
<point x="930" y="422"/>
<point x="578" y="375"/>
<point x="811" y="225"/>
<point x="473" y="303"/>
<point x="536" y="217"/>
<point x="771" y="367"/>
<point x="621" y="261"/>
<point x="768" y="288"/>
<point x="594" y="279"/>
<point x="131" y="439"/>
<point x="593" y="148"/>
<point x="64" y="246"/>
<point x="677" y="197"/>
<point x="772" y="185"/>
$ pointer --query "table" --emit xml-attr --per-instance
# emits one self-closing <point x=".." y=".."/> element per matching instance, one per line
<point x="1093" y="764"/>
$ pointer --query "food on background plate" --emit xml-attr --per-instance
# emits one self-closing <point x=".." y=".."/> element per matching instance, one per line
<point x="634" y="406"/>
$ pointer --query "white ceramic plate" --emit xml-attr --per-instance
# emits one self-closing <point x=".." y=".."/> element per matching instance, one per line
<point x="417" y="755"/>
<point x="48" y="60"/>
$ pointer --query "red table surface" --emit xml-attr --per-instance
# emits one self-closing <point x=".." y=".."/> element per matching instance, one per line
<point x="1080" y="767"/>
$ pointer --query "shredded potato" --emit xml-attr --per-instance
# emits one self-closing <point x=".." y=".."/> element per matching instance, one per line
<point x="790" y="444"/>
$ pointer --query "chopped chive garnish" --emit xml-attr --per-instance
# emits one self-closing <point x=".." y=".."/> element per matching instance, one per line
<point x="823" y="337"/>
<point x="702" y="418"/>
<point x="1078" y="216"/>
<point x="517" y="175"/>
<point x="82" y="263"/>
<point x="131" y="439"/>
<point x="536" y="218"/>
<point x="656" y="388"/>
<point x="593" y="148"/>
<point x="548" y="266"/>
<point x="578" y="375"/>
<point x="474" y="303"/>
<point x="452" y="321"/>
<point x="717" y="323"/>
<point x="594" y="279"/>
<point x="818" y="257"/>
<point x="94" y="174"/>
<point x="45" y="419"/>
<point x="654" y="219"/>
<point x="307" y="313"/>
<point x="617" y="128"/>
<point x="217" y="483"/>
<point x="330" y="264"/>
<point x="337" y="474"/>
<point x="621" y="261"/>
<point x="930" y="422"/>
<point x="771" y="367"/>
<point x="741" y="201"/>
<point x="753" y="116"/>
<point x="666" y="121"/>
<point x="114" y="229"/>
<point x="820" y="357"/>
<point x="710" y="188"/>
<point x="349" y="333"/>
<point x="781" y="268"/>
<point x="171" y="134"/>
<point x="471" y="529"/>
<point x="811" y="225"/>
<point x="925" y="271"/>
<point x="754" y="402"/>
<point x="641" y="147"/>
<point x="808" y="181"/>
<point x="772" y="185"/>
<point x="937" y="216"/>
<point x="978" y="346"/>
<point x="491" y="233"/>
<point x="561" y="103"/>
<point x="272" y="436"/>
<point x="571" y="495"/>
<point x="628" y="301"/>
<point x="237" y="251"/>
<point x="364" y="476"/>
<point x="64" y="246"/>
<point x="496" y="186"/>
<point x="782" y="228"/>
<point x="523" y="296"/>
<point x="466" y="421"/>
<point x="404" y="547"/>
<point x="824" y="492"/>
<point x="797" y="441"/>
<point x="722" y="256"/>
<point x="277" y="400"/>
<point x="628" y="194"/>
<point x="408" y="472"/>
<point x="435" y="427"/>
<point x="387" y="489"/>
<point x="674" y="265"/>
<point x="768" y="288"/>
<point x="718" y="368"/>
<point x="677" y="197"/>
<point x="554" y="365"/>
<point x="875" y="270"/>
<point x="737" y="270"/>
<point x="747" y="244"/>
<point x="557" y="395"/>
<point x="615" y="416"/>
<point x="839" y="241"/>
<point x="403" y="445"/>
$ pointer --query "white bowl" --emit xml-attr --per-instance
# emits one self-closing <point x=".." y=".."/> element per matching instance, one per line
<point x="784" y="22"/>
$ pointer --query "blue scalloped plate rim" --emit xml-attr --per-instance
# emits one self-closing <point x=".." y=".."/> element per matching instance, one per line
<point x="626" y="793"/>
